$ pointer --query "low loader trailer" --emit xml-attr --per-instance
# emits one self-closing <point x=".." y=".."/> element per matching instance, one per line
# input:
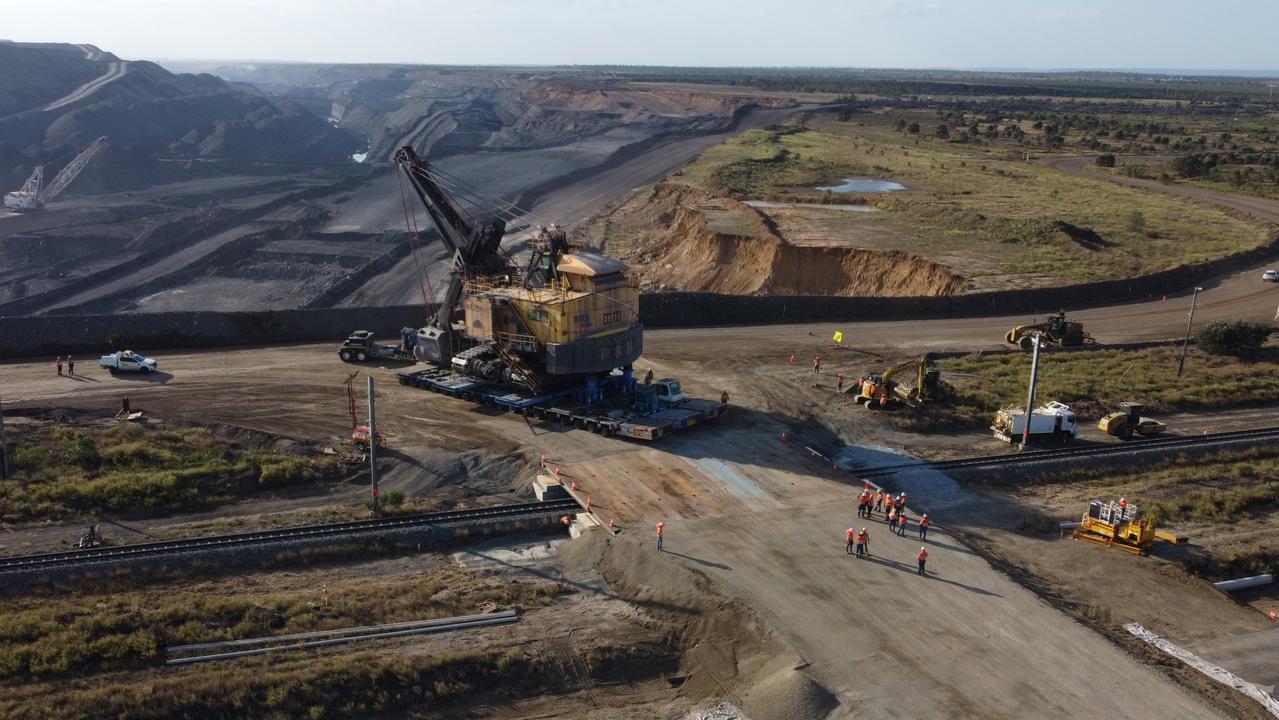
<point x="614" y="406"/>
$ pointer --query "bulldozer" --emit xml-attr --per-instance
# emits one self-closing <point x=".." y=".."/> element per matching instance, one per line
<point x="1117" y="524"/>
<point x="882" y="392"/>
<point x="1057" y="330"/>
<point x="1128" y="422"/>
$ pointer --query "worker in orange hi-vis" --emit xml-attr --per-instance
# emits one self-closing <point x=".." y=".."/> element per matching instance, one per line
<point x="924" y="522"/>
<point x="901" y="523"/>
<point x="863" y="544"/>
<point x="839" y="383"/>
<point x="888" y="503"/>
<point x="849" y="534"/>
<point x="661" y="528"/>
<point x="892" y="520"/>
<point x="879" y="501"/>
<point x="922" y="557"/>
<point x="1123" y="508"/>
<point x="817" y="363"/>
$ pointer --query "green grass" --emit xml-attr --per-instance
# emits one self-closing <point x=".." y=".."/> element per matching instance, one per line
<point x="62" y="472"/>
<point x="92" y="632"/>
<point x="98" y="652"/>
<point x="989" y="215"/>
<point x="1094" y="382"/>
<point x="1227" y="502"/>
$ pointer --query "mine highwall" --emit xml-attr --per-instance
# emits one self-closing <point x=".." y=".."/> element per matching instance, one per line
<point x="91" y="334"/>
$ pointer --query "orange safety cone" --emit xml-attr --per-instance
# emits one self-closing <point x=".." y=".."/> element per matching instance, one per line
<point x="1163" y="299"/>
<point x="612" y="523"/>
<point x="588" y="503"/>
<point x="1274" y="615"/>
<point x="543" y="459"/>
<point x="792" y="359"/>
<point x="573" y="487"/>
<point x="784" y="438"/>
<point x="556" y="472"/>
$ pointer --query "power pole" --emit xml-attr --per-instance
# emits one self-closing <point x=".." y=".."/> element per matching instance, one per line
<point x="4" y="448"/>
<point x="1181" y="364"/>
<point x="377" y="505"/>
<point x="1030" y="394"/>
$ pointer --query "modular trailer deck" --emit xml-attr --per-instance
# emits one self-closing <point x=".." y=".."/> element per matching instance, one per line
<point x="612" y="415"/>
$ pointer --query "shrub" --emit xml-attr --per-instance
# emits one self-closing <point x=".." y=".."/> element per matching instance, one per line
<point x="1233" y="337"/>
<point x="395" y="498"/>
<point x="1106" y="160"/>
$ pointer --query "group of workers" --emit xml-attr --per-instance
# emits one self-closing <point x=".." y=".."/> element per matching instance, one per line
<point x="894" y="509"/>
<point x="70" y="364"/>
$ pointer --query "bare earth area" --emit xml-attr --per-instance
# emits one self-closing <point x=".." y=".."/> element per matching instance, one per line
<point x="760" y="519"/>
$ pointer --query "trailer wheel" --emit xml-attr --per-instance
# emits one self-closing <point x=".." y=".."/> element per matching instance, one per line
<point x="1125" y="432"/>
<point x="345" y="355"/>
<point x="1026" y="342"/>
<point x="361" y="356"/>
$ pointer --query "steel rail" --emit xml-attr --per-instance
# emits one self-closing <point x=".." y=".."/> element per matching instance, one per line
<point x="1156" y="444"/>
<point x="279" y="535"/>
<point x="496" y="620"/>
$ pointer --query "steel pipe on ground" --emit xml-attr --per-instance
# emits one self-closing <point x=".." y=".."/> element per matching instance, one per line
<point x="1244" y="583"/>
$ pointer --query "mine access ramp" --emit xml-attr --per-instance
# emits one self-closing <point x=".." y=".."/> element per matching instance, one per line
<point x="616" y="406"/>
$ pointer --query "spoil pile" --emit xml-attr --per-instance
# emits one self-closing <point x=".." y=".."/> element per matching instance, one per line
<point x="679" y="238"/>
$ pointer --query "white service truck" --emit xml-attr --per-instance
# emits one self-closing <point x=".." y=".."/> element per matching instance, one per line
<point x="1052" y="422"/>
<point x="127" y="361"/>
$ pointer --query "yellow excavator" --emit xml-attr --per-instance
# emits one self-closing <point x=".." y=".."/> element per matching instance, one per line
<point x="1057" y="330"/>
<point x="882" y="392"/>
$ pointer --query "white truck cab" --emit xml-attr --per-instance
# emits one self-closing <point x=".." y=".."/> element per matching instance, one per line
<point x="127" y="361"/>
<point x="668" y="391"/>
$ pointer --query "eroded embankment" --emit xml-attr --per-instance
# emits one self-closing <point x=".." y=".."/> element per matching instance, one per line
<point x="679" y="238"/>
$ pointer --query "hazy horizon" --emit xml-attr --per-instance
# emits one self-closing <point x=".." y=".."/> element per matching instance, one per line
<point x="1175" y="36"/>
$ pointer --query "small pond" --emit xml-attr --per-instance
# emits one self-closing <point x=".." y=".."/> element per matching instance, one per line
<point x="864" y="185"/>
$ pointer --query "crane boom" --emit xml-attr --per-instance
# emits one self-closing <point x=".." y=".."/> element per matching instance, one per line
<point x="476" y="249"/>
<point x="73" y="170"/>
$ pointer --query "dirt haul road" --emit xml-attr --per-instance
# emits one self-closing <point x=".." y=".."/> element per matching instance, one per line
<point x="764" y="519"/>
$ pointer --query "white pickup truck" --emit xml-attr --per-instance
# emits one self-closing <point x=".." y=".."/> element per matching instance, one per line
<point x="127" y="361"/>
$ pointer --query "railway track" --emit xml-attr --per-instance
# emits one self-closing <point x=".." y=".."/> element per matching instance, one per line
<point x="298" y="534"/>
<point x="1136" y="447"/>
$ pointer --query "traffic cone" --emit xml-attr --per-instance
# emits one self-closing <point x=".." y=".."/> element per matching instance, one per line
<point x="612" y="523"/>
<point x="573" y="487"/>
<point x="784" y="438"/>
<point x="1274" y="615"/>
<point x="556" y="472"/>
<point x="1163" y="299"/>
<point x="588" y="503"/>
<point x="543" y="459"/>
<point x="792" y="359"/>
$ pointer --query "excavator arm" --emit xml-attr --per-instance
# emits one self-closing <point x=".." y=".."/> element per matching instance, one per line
<point x="476" y="249"/>
<point x="917" y="365"/>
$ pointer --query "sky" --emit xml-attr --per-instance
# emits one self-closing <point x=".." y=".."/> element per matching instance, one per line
<point x="1023" y="34"/>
